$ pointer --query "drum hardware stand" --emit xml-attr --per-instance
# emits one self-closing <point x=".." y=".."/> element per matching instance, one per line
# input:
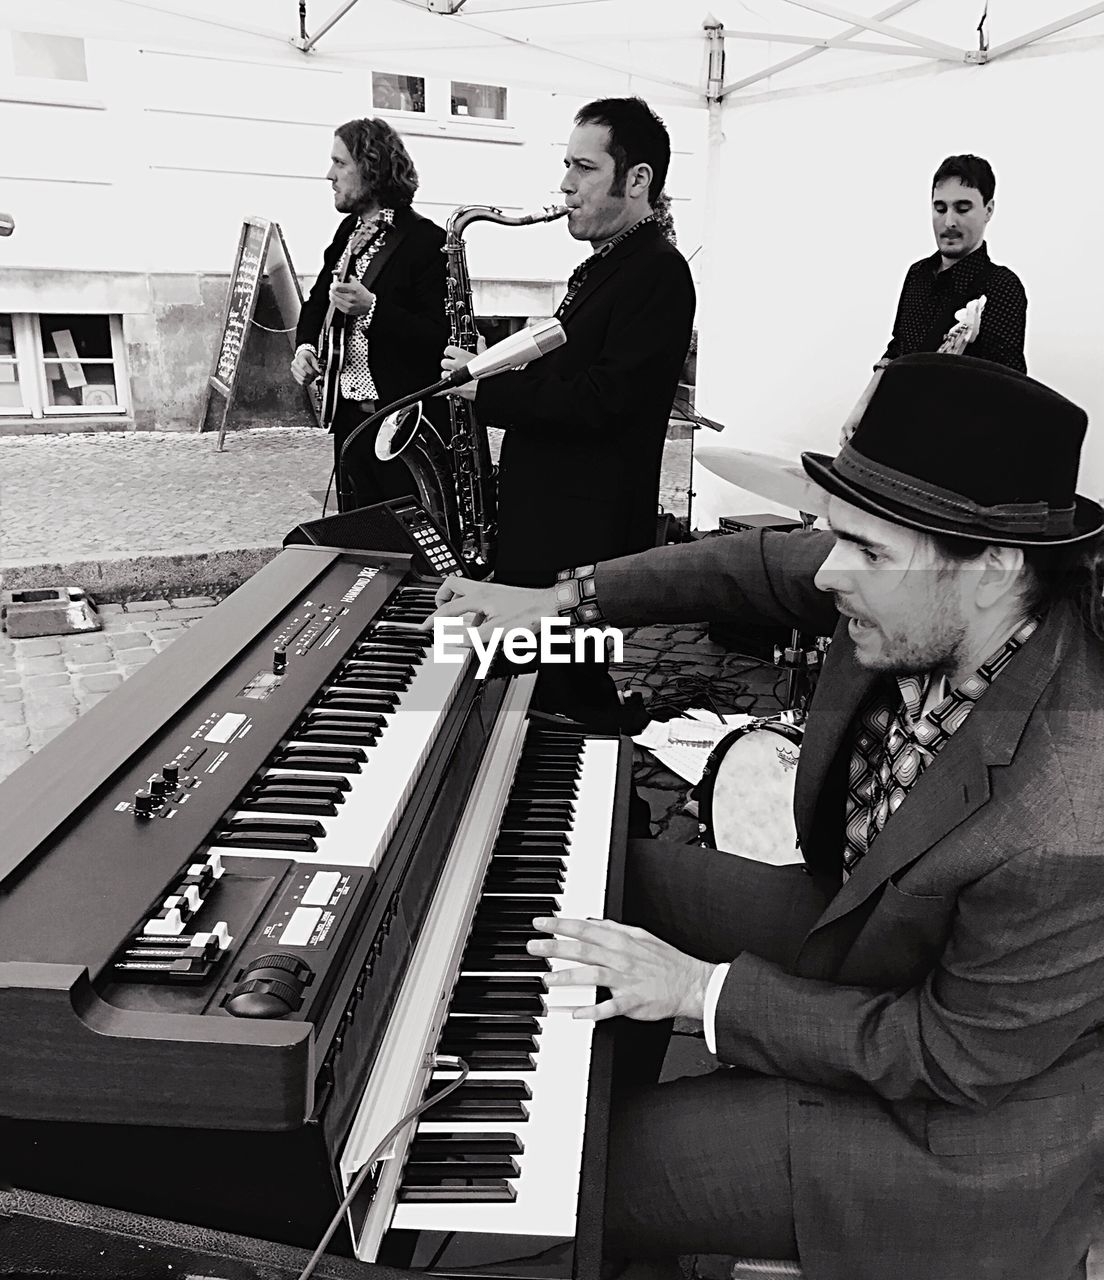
<point x="683" y="411"/>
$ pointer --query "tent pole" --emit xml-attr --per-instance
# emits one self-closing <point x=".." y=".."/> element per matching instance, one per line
<point x="711" y="231"/>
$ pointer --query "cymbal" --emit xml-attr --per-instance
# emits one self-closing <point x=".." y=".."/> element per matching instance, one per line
<point x="780" y="480"/>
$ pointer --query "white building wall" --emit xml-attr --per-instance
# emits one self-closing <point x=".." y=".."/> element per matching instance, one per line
<point x="824" y="202"/>
<point x="151" y="165"/>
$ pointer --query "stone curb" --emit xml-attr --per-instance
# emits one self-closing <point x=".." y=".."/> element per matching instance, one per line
<point x="192" y="571"/>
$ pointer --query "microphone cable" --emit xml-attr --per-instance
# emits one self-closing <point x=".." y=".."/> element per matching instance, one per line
<point x="439" y="1061"/>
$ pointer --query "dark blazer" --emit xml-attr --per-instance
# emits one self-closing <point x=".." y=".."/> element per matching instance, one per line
<point x="585" y="425"/>
<point x="409" y="327"/>
<point x="939" y="1015"/>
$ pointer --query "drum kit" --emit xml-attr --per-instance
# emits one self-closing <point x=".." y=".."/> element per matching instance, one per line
<point x="745" y="796"/>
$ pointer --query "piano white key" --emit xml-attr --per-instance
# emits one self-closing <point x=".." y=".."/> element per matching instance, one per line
<point x="584" y="892"/>
<point x="400" y="1071"/>
<point x="548" y="1184"/>
<point x="358" y="833"/>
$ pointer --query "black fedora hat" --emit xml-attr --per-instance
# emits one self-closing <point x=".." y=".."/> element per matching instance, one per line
<point x="960" y="446"/>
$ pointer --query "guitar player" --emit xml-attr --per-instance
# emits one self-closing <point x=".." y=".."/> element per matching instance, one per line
<point x="374" y="325"/>
<point x="938" y="309"/>
<point x="960" y="270"/>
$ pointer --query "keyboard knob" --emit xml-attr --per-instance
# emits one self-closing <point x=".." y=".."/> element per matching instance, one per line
<point x="279" y="661"/>
<point x="262" y="998"/>
<point x="287" y="967"/>
<point x="171" y="774"/>
<point x="144" y="804"/>
<point x="158" y="787"/>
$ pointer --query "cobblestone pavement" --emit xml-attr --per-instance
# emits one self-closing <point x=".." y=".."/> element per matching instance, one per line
<point x="46" y="682"/>
<point x="91" y="495"/>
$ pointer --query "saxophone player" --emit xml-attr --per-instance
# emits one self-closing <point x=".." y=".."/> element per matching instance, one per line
<point x="584" y="427"/>
<point x="374" y="324"/>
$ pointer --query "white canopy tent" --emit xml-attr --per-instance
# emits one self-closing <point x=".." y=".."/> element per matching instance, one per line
<point x="822" y="121"/>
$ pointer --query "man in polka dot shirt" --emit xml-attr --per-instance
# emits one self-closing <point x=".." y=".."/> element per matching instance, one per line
<point x="389" y="301"/>
<point x="959" y="271"/>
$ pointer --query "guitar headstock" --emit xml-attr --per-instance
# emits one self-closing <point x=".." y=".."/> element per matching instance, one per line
<point x="357" y="241"/>
<point x="965" y="330"/>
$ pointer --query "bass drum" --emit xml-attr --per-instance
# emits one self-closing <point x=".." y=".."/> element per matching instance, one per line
<point x="745" y="797"/>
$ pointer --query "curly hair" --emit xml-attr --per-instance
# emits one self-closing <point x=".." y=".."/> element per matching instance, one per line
<point x="384" y="163"/>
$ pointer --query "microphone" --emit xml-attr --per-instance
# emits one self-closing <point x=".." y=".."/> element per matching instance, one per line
<point x="518" y="348"/>
<point x="7" y="224"/>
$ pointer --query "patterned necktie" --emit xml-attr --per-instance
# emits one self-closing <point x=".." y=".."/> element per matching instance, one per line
<point x="896" y="741"/>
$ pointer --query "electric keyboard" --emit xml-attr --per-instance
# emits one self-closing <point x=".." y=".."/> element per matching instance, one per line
<point x="220" y="888"/>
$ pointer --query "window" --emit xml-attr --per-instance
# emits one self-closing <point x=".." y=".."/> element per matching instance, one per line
<point x="397" y="93"/>
<point x="57" y="364"/>
<point x="78" y="362"/>
<point x="48" y="57"/>
<point x="11" y="396"/>
<point x="484" y="101"/>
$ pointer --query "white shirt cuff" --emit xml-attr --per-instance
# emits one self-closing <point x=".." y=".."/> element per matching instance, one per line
<point x="366" y="319"/>
<point x="306" y="346"/>
<point x="709" y="1008"/>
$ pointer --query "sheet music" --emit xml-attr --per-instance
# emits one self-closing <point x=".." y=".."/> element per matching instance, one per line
<point x="683" y="744"/>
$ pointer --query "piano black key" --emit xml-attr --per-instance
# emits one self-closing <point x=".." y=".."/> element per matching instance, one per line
<point x="527" y="863"/>
<point x="506" y="907"/>
<point x="422" y="1172"/>
<point x="303" y="826"/>
<point x="290" y="802"/>
<point x="378" y="675"/>
<point x="481" y="1100"/>
<point x="542" y="808"/>
<point x="483" y="935"/>
<point x="497" y="988"/>
<point x="507" y="1001"/>
<point x="524" y="883"/>
<point x="492" y="1189"/>
<point x="485" y="1037"/>
<point x="354" y="737"/>
<point x="496" y="1025"/>
<point x="437" y="1145"/>
<point x="485" y="962"/>
<point x="260" y="840"/>
<point x="310" y="781"/>
<point x="534" y="847"/>
<point x="349" y="715"/>
<point x="548" y="790"/>
<point x="411" y="644"/>
<point x="341" y="759"/>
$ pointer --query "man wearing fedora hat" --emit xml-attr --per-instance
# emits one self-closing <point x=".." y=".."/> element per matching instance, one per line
<point x="910" y="1025"/>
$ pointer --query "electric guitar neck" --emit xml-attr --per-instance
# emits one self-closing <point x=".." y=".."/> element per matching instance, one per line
<point x="331" y="341"/>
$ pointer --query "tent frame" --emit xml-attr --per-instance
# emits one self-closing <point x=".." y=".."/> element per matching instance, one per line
<point x="896" y="40"/>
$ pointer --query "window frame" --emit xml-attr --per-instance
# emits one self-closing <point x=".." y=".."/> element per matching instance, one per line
<point x="466" y="116"/>
<point x="31" y="365"/>
<point x="405" y="113"/>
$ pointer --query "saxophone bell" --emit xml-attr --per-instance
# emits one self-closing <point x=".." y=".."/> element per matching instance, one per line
<point x="397" y="431"/>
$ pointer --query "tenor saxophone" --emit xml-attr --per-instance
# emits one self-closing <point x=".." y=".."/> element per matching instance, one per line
<point x="455" y="478"/>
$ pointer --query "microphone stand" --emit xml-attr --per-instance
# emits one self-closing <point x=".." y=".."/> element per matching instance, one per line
<point x="343" y="494"/>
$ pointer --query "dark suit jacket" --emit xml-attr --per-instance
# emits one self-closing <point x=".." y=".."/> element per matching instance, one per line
<point x="409" y="327"/>
<point x="939" y="1015"/>
<point x="585" y="425"/>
